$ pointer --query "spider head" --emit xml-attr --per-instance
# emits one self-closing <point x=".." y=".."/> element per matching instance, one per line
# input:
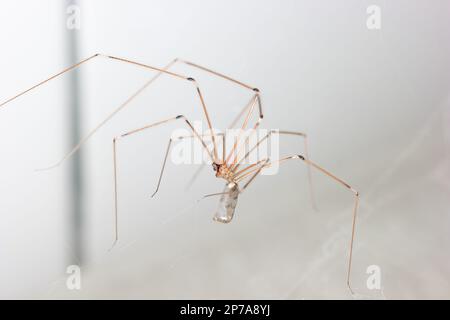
<point x="222" y="171"/>
<point x="216" y="167"/>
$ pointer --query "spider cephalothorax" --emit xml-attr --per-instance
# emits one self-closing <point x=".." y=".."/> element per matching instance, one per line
<point x="223" y="171"/>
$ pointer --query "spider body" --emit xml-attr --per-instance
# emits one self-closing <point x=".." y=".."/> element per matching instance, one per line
<point x="232" y="167"/>
<point x="227" y="203"/>
<point x="224" y="171"/>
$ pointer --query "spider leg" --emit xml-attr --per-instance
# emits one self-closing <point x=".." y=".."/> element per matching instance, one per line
<point x="305" y="145"/>
<point x="335" y="178"/>
<point x="256" y="97"/>
<point x="253" y="174"/>
<point x="163" y="167"/>
<point x="218" y="74"/>
<point x="124" y="104"/>
<point x="213" y="195"/>
<point x="49" y="79"/>
<point x="215" y="73"/>
<point x="103" y="122"/>
<point x="137" y="93"/>
<point x="242" y="174"/>
<point x="167" y="153"/>
<point x="248" y="107"/>
<point x="132" y="132"/>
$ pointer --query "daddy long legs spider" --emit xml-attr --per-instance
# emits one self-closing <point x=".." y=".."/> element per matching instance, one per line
<point x="227" y="167"/>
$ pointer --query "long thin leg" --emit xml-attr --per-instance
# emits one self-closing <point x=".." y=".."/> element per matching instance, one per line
<point x="213" y="195"/>
<point x="116" y="229"/>
<point x="163" y="167"/>
<point x="233" y="123"/>
<point x="167" y="153"/>
<point x="257" y="99"/>
<point x="49" y="79"/>
<point x="199" y="92"/>
<point x="250" y="106"/>
<point x="282" y="132"/>
<point x="240" y="83"/>
<point x="340" y="181"/>
<point x="355" y="210"/>
<point x="159" y="70"/>
<point x="129" y="133"/>
<point x="218" y="74"/>
<point x="103" y="122"/>
<point x="257" y="172"/>
<point x="245" y="172"/>
<point x="206" y="196"/>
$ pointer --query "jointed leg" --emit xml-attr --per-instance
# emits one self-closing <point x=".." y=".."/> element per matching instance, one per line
<point x="354" y="212"/>
<point x="340" y="181"/>
<point x="305" y="146"/>
<point x="242" y="174"/>
<point x="138" y="92"/>
<point x="214" y="195"/>
<point x="256" y="173"/>
<point x="283" y="132"/>
<point x="253" y="131"/>
<point x="163" y="167"/>
<point x="248" y="108"/>
<point x="218" y="74"/>
<point x="167" y="153"/>
<point x="180" y="117"/>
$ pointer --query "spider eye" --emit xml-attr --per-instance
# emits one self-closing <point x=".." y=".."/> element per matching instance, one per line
<point x="215" y="166"/>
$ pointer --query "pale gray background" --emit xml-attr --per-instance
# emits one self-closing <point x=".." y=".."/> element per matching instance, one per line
<point x="375" y="104"/>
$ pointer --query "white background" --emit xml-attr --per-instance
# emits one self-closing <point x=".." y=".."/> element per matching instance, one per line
<point x="375" y="105"/>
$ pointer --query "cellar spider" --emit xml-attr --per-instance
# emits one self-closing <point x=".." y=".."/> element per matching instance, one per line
<point x="227" y="167"/>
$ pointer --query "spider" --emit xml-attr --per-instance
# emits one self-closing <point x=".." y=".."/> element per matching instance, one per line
<point x="228" y="167"/>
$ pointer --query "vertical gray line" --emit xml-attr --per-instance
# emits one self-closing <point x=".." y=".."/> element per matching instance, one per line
<point x="74" y="130"/>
